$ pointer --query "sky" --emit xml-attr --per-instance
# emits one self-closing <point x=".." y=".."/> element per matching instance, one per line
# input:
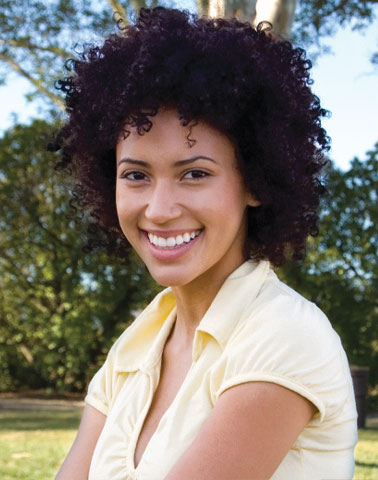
<point x="345" y="81"/>
<point x="347" y="85"/>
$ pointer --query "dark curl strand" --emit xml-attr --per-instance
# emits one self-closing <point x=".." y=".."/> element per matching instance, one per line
<point x="246" y="82"/>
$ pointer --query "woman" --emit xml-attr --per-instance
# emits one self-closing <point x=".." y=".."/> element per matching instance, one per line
<point x="208" y="137"/>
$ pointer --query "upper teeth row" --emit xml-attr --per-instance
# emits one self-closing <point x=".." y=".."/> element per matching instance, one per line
<point x="172" y="241"/>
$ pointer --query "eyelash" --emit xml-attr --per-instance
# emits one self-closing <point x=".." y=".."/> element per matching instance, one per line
<point x="196" y="171"/>
<point x="126" y="175"/>
<point x="143" y="176"/>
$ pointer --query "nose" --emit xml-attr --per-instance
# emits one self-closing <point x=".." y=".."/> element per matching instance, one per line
<point x="162" y="204"/>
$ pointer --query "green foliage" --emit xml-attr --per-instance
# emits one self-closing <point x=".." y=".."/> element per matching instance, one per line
<point x="321" y="17"/>
<point x="340" y="272"/>
<point x="60" y="309"/>
<point x="318" y="19"/>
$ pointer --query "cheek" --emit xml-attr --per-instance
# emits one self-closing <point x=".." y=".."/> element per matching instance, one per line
<point x="232" y="201"/>
<point x="118" y="198"/>
<point x="124" y="202"/>
<point x="120" y="209"/>
<point x="124" y="210"/>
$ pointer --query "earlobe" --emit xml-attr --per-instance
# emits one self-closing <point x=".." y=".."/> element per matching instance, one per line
<point x="252" y="200"/>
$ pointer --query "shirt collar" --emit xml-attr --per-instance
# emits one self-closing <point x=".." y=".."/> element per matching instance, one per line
<point x="141" y="345"/>
<point x="234" y="297"/>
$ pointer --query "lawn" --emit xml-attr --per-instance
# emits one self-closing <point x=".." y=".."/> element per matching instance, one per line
<point x="366" y="454"/>
<point x="34" y="443"/>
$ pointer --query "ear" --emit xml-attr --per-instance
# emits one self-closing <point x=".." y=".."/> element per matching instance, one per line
<point x="252" y="200"/>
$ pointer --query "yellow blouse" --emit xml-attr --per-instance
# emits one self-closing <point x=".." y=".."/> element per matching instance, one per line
<point x="256" y="329"/>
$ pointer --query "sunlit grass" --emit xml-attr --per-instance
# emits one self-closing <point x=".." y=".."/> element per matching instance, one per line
<point x="366" y="455"/>
<point x="34" y="444"/>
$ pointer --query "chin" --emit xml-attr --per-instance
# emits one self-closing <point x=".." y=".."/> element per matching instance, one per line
<point x="170" y="279"/>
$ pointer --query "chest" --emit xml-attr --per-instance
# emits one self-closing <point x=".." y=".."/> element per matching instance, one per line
<point x="155" y="416"/>
<point x="174" y="369"/>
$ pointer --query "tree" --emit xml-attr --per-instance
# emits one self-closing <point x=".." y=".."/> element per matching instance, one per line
<point x="279" y="13"/>
<point x="317" y="19"/>
<point x="340" y="272"/>
<point x="36" y="38"/>
<point x="60" y="309"/>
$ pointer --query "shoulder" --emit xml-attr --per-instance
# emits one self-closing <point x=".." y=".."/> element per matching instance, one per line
<point x="285" y="339"/>
<point x="280" y="312"/>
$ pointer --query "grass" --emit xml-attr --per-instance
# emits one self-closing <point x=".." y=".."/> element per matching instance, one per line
<point x="33" y="445"/>
<point x="366" y="454"/>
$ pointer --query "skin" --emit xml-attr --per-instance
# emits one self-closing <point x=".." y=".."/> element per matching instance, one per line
<point x="251" y="429"/>
<point x="165" y="188"/>
<point x="77" y="463"/>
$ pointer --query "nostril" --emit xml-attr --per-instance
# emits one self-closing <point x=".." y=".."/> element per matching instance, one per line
<point x="162" y="211"/>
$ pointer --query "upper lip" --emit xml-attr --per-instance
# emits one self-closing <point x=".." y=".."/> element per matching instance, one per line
<point x="171" y="233"/>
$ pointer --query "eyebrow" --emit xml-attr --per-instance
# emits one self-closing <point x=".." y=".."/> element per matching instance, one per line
<point x="179" y="163"/>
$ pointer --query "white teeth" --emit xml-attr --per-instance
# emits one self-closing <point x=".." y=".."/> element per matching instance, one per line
<point x="162" y="242"/>
<point x="172" y="242"/>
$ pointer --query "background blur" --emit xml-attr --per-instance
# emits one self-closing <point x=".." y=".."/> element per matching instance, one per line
<point x="62" y="308"/>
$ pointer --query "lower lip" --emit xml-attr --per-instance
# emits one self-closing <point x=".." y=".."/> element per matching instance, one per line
<point x="170" y="253"/>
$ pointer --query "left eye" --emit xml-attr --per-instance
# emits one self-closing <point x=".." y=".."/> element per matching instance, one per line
<point x="134" y="176"/>
<point x="195" y="174"/>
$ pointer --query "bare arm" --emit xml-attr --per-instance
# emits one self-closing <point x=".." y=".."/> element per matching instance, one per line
<point x="251" y="429"/>
<point x="77" y="463"/>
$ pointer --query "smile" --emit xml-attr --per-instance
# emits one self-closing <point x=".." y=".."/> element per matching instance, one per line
<point x="172" y="242"/>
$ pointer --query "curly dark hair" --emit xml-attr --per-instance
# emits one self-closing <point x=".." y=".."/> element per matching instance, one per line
<point x="244" y="81"/>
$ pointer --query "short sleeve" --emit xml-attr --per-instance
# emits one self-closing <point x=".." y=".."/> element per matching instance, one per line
<point x="289" y="342"/>
<point x="100" y="388"/>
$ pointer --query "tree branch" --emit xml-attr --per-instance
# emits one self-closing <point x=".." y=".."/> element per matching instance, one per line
<point x="29" y="287"/>
<point x="18" y="69"/>
<point x="119" y="9"/>
<point x="26" y="353"/>
<point x="202" y="7"/>
<point x="51" y="234"/>
<point x="24" y="43"/>
<point x="340" y="6"/>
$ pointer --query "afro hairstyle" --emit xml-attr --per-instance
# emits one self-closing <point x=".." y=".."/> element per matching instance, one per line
<point x="245" y="81"/>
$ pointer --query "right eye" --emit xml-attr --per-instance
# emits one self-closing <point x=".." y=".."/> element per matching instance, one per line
<point x="134" y="176"/>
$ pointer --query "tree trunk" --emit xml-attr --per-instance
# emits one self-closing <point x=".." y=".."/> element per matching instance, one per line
<point x="280" y="13"/>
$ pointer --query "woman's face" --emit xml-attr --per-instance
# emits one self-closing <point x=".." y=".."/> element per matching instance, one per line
<point x="182" y="209"/>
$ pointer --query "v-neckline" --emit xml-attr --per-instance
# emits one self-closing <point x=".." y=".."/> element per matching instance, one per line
<point x="154" y="378"/>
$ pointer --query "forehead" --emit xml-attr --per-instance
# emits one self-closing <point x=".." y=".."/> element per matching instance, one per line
<point x="167" y="135"/>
